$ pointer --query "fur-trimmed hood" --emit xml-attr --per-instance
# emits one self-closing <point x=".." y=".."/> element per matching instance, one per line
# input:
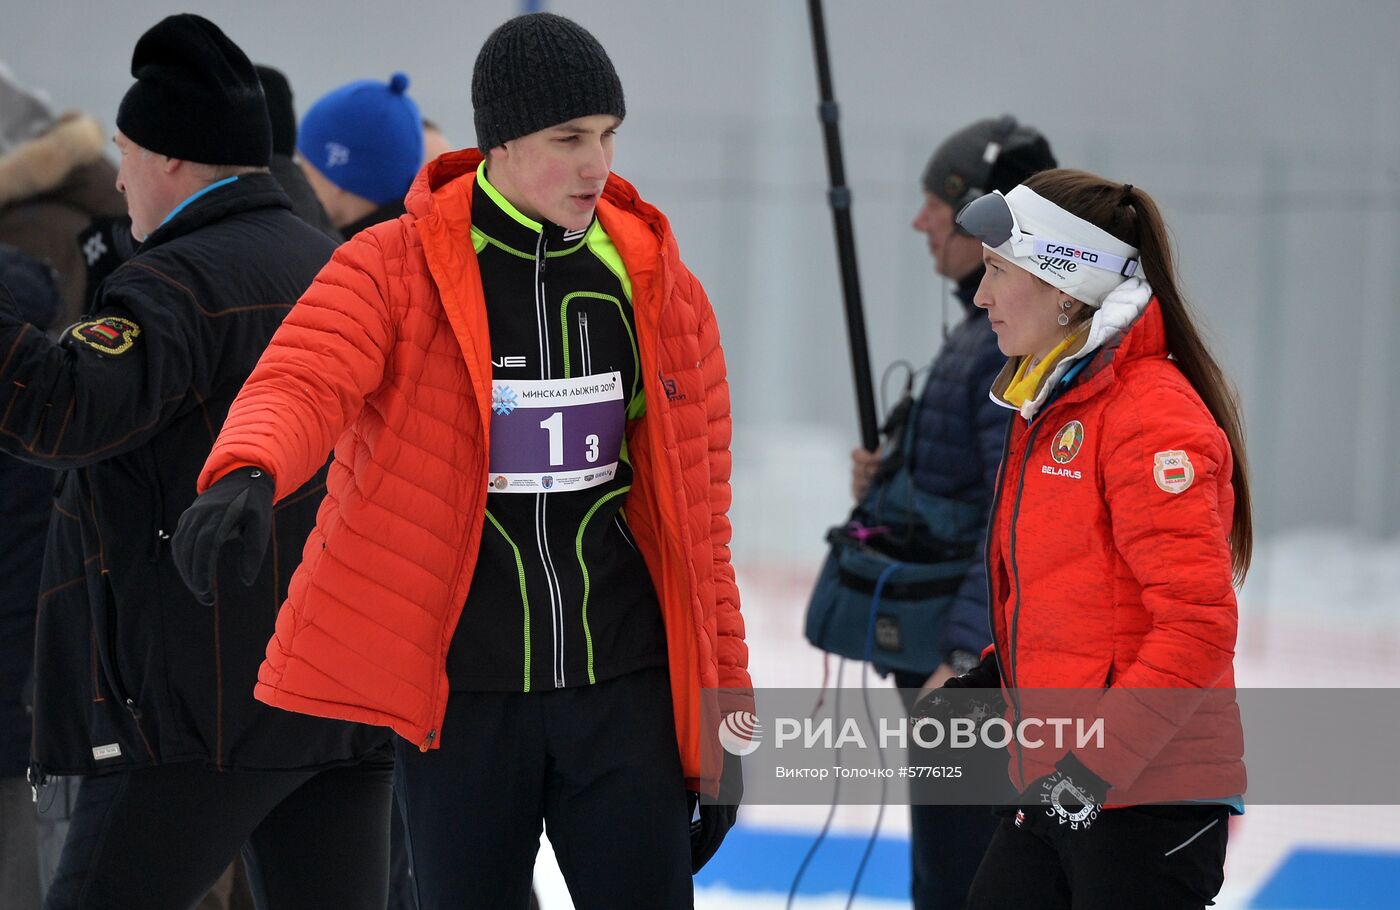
<point x="45" y="162"/>
<point x="24" y="113"/>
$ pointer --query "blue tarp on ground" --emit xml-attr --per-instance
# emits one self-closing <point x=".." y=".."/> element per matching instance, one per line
<point x="760" y="860"/>
<point x="1333" y="879"/>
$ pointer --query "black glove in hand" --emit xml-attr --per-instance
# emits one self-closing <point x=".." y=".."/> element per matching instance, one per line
<point x="1072" y="795"/>
<point x="986" y="675"/>
<point x="936" y="705"/>
<point x="237" y="507"/>
<point x="716" y="817"/>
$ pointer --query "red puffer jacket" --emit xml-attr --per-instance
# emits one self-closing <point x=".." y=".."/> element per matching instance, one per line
<point x="387" y="358"/>
<point x="1109" y="569"/>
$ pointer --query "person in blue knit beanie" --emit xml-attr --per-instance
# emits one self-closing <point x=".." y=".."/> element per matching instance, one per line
<point x="361" y="146"/>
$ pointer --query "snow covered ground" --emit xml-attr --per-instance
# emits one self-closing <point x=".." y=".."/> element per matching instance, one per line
<point x="1319" y="609"/>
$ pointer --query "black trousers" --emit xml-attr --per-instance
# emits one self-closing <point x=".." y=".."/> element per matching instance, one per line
<point x="597" y="765"/>
<point x="158" y="838"/>
<point x="946" y="842"/>
<point x="1144" y="857"/>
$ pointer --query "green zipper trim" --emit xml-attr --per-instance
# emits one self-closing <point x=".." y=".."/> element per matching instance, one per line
<point x="524" y="599"/>
<point x="578" y="551"/>
<point x="621" y="314"/>
<point x="480" y="239"/>
<point x="601" y="246"/>
<point x="505" y="204"/>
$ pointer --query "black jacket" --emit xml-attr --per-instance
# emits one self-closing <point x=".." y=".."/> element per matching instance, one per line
<point x="131" y="669"/>
<point x="304" y="202"/>
<point x="26" y="497"/>
<point x="958" y="436"/>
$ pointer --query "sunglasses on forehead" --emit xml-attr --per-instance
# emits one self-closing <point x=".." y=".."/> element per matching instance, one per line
<point x="990" y="219"/>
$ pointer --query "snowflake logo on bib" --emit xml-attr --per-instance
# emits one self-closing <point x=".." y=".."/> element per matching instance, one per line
<point x="503" y="400"/>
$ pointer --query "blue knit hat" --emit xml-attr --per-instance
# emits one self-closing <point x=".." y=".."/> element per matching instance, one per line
<point x="366" y="138"/>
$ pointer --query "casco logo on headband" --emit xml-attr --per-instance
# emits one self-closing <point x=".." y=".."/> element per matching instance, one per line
<point x="1059" y="249"/>
<point x="1060" y="252"/>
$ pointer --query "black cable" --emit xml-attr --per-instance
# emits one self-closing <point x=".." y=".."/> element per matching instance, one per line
<point x="884" y="786"/>
<point x="943" y="309"/>
<point x="835" y="793"/>
<point x="836" y="790"/>
<point x="909" y="374"/>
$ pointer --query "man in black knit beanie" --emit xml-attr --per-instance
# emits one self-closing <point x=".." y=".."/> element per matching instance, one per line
<point x="141" y="689"/>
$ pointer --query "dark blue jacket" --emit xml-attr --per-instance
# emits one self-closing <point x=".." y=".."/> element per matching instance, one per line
<point x="958" y="438"/>
<point x="26" y="499"/>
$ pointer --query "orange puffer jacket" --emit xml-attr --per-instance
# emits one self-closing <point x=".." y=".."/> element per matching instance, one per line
<point x="387" y="357"/>
<point x="1110" y="571"/>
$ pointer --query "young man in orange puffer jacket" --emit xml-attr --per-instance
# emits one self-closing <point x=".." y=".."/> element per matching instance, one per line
<point x="522" y="561"/>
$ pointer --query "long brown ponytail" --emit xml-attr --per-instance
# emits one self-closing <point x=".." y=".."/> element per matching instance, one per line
<point x="1133" y="217"/>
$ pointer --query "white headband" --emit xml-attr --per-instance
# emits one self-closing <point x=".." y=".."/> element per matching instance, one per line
<point x="1065" y="245"/>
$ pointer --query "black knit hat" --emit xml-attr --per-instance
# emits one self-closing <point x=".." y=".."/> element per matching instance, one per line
<point x="196" y="97"/>
<point x="278" y="93"/>
<point x="537" y="71"/>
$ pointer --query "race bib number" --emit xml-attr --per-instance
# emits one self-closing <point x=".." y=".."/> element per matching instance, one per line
<point x="554" y="435"/>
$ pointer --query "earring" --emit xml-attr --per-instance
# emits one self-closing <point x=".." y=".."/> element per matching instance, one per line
<point x="1063" y="318"/>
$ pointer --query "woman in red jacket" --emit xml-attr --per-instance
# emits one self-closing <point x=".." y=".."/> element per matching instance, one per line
<point x="1120" y="526"/>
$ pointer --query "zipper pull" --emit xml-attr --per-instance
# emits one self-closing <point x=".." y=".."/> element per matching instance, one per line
<point x="135" y="711"/>
<point x="428" y="743"/>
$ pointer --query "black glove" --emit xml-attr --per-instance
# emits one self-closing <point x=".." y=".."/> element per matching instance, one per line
<point x="936" y="705"/>
<point x="716" y="818"/>
<point x="1072" y="795"/>
<point x="237" y="507"/>
<point x="986" y="675"/>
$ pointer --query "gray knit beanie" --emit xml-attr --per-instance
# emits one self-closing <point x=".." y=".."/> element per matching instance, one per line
<point x="985" y="156"/>
<point x="537" y="71"/>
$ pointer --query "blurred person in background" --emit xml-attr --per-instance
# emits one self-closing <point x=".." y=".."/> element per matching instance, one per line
<point x="1121" y="522"/>
<point x="957" y="441"/>
<point x="140" y="687"/>
<point x="282" y="115"/>
<point x="360" y="147"/>
<point x="54" y="181"/>
<point x="434" y="142"/>
<point x="27" y="493"/>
